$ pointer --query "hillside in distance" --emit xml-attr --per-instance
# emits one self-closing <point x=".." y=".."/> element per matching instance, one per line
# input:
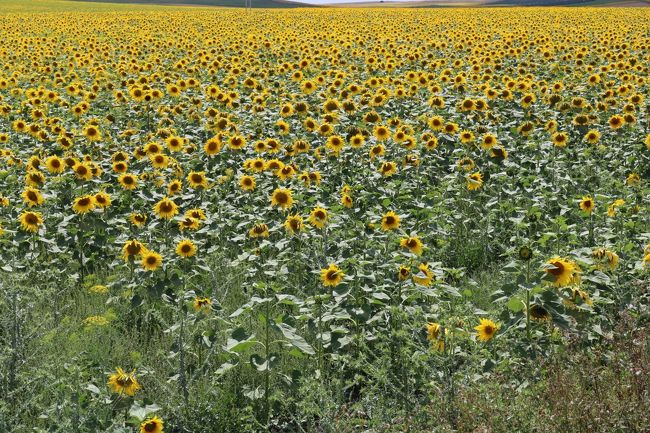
<point x="380" y="3"/>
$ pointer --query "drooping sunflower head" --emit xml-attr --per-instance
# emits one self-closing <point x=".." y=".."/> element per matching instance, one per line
<point x="474" y="181"/>
<point x="388" y="169"/>
<point x="433" y="331"/>
<point x="138" y="219"/>
<point x="538" y="312"/>
<point x="132" y="248"/>
<point x="260" y="230"/>
<point x="121" y="382"/>
<point x="202" y="304"/>
<point x="424" y="277"/>
<point x="413" y="244"/>
<point x="294" y="224"/>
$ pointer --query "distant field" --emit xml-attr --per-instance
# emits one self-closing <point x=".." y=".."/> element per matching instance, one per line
<point x="7" y="6"/>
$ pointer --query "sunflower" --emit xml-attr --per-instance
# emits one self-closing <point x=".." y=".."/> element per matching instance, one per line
<point x="560" y="139"/>
<point x="174" y="187"/>
<point x="592" y="136"/>
<point x="247" y="183"/>
<point x="388" y="169"/>
<point x="236" y="142"/>
<point x="616" y="122"/>
<point x="467" y="137"/>
<point x="128" y="181"/>
<point x="587" y="204"/>
<point x="562" y="272"/>
<point x="82" y="171"/>
<point x="174" y="143"/>
<point x="331" y="276"/>
<point x="390" y="221"/>
<point x="165" y="208"/>
<point x="282" y="198"/>
<point x="356" y="141"/>
<point x="152" y="425"/>
<point x="259" y="231"/>
<point x="294" y="224"/>
<point x="413" y="244"/>
<point x="84" y="204"/>
<point x="120" y="166"/>
<point x="613" y="207"/>
<point x="335" y="143"/>
<point x="486" y="330"/>
<point x="538" y="312"/>
<point x="197" y="179"/>
<point x="151" y="260"/>
<point x="346" y="200"/>
<point x="197" y="213"/>
<point x="633" y="179"/>
<point x="424" y="277"/>
<point x="31" y="221"/>
<point x="607" y="259"/>
<point x="138" y="219"/>
<point x="488" y="141"/>
<point x="32" y="197"/>
<point x="132" y="248"/>
<point x="474" y="181"/>
<point x="376" y="150"/>
<point x="318" y="217"/>
<point x="286" y="172"/>
<point x="102" y="200"/>
<point x="403" y="272"/>
<point x="381" y="133"/>
<point x="123" y="383"/>
<point x="186" y="248"/>
<point x="646" y="260"/>
<point x="92" y="133"/>
<point x="498" y="153"/>
<point x="433" y="331"/>
<point x="212" y="146"/>
<point x="188" y="223"/>
<point x="54" y="164"/>
<point x="436" y="123"/>
<point x="203" y="305"/>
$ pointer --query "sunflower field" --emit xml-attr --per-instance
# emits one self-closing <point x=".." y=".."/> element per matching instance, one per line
<point x="324" y="220"/>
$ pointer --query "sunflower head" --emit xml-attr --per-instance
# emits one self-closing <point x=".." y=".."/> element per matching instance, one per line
<point x="486" y="329"/>
<point x="331" y="276"/>
<point x="562" y="272"/>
